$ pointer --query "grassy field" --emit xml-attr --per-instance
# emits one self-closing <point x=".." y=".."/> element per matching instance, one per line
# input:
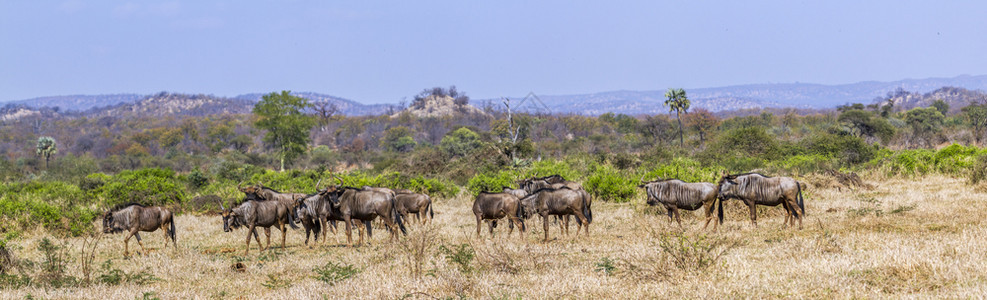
<point x="919" y="237"/>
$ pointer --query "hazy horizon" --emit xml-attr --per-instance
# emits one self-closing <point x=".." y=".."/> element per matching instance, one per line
<point x="378" y="52"/>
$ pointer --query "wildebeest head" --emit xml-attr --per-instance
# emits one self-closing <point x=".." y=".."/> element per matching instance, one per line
<point x="109" y="226"/>
<point x="648" y="186"/>
<point x="230" y="220"/>
<point x="252" y="192"/>
<point x="727" y="186"/>
<point x="528" y="205"/>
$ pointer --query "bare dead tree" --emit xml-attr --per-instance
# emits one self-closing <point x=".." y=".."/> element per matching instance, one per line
<point x="511" y="130"/>
<point x="324" y="111"/>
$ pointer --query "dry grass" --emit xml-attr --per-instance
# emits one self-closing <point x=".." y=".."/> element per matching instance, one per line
<point x="920" y="237"/>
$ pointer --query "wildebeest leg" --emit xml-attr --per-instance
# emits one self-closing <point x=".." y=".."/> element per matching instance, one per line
<point x="267" y="231"/>
<point x="349" y="230"/>
<point x="370" y="231"/>
<point x="709" y="215"/>
<point x="753" y="209"/>
<point x="797" y="212"/>
<point x="678" y="217"/>
<point x="126" y="241"/>
<point x="251" y="230"/>
<point x="284" y="235"/>
<point x="479" y="222"/>
<point x="581" y="218"/>
<point x="545" y="217"/>
<point x="491" y="225"/>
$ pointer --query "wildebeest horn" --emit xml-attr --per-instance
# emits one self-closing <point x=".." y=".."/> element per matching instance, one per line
<point x="239" y="186"/>
<point x="317" y="184"/>
<point x="221" y="205"/>
<point x="338" y="178"/>
<point x="642" y="178"/>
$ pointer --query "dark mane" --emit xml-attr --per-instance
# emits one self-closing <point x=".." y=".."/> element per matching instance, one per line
<point x="125" y="205"/>
<point x="268" y="188"/>
<point x="750" y="173"/>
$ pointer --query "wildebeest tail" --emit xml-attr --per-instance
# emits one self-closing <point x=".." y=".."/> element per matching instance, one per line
<point x="719" y="210"/>
<point x="519" y="213"/>
<point x="430" y="213"/>
<point x="291" y="219"/>
<point x="172" y="233"/>
<point x="397" y="216"/>
<point x="801" y="203"/>
<point x="587" y="210"/>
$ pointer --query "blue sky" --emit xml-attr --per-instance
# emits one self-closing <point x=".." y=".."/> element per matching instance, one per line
<point x="382" y="51"/>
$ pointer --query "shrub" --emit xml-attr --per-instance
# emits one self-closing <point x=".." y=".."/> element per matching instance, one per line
<point x="460" y="142"/>
<point x="146" y="186"/>
<point x="197" y="179"/>
<point x="333" y="273"/>
<point x="461" y="255"/>
<point x="610" y="184"/>
<point x="484" y="182"/>
<point x="849" y="150"/>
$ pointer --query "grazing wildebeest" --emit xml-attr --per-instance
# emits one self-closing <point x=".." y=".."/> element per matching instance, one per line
<point x="495" y="206"/>
<point x="315" y="210"/>
<point x="676" y="194"/>
<point x="263" y="193"/>
<point x="756" y="189"/>
<point x="558" y="202"/>
<point x="133" y="217"/>
<point x="365" y="205"/>
<point x="556" y="181"/>
<point x="264" y="214"/>
<point x="418" y="204"/>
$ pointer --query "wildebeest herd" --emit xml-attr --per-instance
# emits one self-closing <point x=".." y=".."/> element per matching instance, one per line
<point x="358" y="207"/>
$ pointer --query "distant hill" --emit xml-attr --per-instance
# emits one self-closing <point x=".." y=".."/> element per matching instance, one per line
<point x="174" y="104"/>
<point x="79" y="102"/>
<point x="957" y="98"/>
<point x="798" y="95"/>
<point x="716" y="99"/>
<point x="346" y="106"/>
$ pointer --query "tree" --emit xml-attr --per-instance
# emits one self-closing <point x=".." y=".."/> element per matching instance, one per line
<point x="941" y="106"/>
<point x="677" y="101"/>
<point x="865" y="123"/>
<point x="398" y="139"/>
<point x="976" y="115"/>
<point x="287" y="127"/>
<point x="461" y="142"/>
<point x="324" y="111"/>
<point x="47" y="148"/>
<point x="925" y="122"/>
<point x="702" y="121"/>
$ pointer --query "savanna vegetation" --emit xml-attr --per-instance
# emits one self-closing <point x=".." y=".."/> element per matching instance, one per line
<point x="60" y="173"/>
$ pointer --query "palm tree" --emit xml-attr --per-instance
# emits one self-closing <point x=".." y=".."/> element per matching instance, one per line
<point x="679" y="103"/>
<point x="46" y="148"/>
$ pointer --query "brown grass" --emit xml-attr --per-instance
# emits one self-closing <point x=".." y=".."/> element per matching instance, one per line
<point x="921" y="237"/>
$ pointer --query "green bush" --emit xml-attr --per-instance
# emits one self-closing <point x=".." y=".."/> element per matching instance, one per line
<point x="54" y="205"/>
<point x="609" y="184"/>
<point x="682" y="168"/>
<point x="150" y="186"/>
<point x="847" y="149"/>
<point x="484" y="182"/>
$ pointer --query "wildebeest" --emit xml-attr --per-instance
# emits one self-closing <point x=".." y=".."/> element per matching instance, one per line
<point x="263" y="193"/>
<point x="133" y="217"/>
<point x="495" y="206"/>
<point x="254" y="213"/>
<point x="756" y="189"/>
<point x="558" y="202"/>
<point x="676" y="194"/>
<point x="414" y="203"/>
<point x="365" y="205"/>
<point x="556" y="181"/>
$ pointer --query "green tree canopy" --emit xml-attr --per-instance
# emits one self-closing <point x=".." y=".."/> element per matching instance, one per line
<point x="976" y="115"/>
<point x="677" y="101"/>
<point x="287" y="126"/>
<point x="47" y="148"/>
<point x="925" y="122"/>
<point x="460" y="142"/>
<point x="865" y="123"/>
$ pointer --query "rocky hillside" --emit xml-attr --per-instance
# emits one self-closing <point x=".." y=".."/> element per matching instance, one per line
<point x="439" y="106"/>
<point x="78" y="102"/>
<point x="174" y="104"/>
<point x="956" y="97"/>
<point x="346" y="106"/>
